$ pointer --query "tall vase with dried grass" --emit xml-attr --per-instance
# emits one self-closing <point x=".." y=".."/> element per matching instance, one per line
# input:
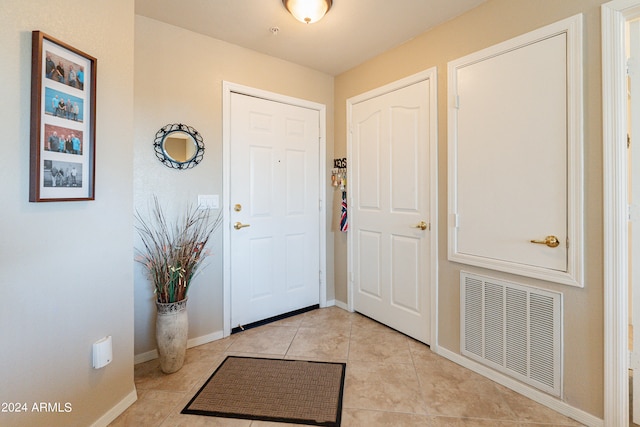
<point x="172" y="253"/>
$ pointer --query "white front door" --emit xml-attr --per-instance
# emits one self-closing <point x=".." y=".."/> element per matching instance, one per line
<point x="274" y="212"/>
<point x="390" y="209"/>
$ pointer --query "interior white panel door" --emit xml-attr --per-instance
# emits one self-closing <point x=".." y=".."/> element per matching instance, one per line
<point x="274" y="194"/>
<point x="390" y="185"/>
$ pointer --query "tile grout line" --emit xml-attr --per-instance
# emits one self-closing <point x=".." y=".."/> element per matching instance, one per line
<point x="286" y="353"/>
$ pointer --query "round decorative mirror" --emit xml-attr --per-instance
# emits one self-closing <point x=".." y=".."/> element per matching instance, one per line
<point x="179" y="146"/>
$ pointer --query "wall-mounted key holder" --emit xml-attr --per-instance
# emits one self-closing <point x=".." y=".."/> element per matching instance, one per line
<point x="339" y="173"/>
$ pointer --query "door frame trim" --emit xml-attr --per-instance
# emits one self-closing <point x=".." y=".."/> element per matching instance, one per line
<point x="430" y="74"/>
<point x="227" y="89"/>
<point x="615" y="175"/>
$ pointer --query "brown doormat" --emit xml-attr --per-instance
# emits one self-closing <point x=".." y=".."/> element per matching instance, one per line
<point x="286" y="391"/>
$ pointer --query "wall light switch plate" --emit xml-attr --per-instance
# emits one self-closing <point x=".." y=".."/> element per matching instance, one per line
<point x="208" y="201"/>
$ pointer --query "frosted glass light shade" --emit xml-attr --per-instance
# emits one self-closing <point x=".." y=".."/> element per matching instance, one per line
<point x="308" y="11"/>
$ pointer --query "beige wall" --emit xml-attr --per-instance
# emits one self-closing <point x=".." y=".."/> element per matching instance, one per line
<point x="178" y="79"/>
<point x="491" y="23"/>
<point x="66" y="267"/>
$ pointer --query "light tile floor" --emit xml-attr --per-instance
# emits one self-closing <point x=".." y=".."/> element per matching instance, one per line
<point x="391" y="380"/>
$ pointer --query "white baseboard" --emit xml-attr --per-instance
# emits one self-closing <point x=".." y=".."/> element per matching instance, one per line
<point x="525" y="390"/>
<point x="115" y="412"/>
<point x="145" y="357"/>
<point x="193" y="342"/>
<point x="341" y="305"/>
<point x="214" y="336"/>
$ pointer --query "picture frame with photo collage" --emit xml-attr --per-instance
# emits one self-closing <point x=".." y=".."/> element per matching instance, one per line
<point x="63" y="110"/>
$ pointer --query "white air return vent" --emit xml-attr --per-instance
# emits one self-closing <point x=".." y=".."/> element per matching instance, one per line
<point x="514" y="329"/>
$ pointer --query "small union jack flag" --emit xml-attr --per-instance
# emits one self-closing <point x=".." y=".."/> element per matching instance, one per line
<point x="344" y="224"/>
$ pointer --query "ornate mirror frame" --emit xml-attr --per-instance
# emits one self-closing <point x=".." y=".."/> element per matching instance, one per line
<point x="178" y="128"/>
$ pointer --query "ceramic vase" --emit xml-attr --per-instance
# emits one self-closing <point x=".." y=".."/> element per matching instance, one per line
<point x="172" y="327"/>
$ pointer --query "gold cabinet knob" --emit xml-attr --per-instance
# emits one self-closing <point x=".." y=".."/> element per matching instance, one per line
<point x="551" y="241"/>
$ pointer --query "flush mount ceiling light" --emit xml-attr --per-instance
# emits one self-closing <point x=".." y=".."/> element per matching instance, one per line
<point x="308" y="11"/>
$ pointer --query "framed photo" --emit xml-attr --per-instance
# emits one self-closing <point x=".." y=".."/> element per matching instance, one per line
<point x="63" y="122"/>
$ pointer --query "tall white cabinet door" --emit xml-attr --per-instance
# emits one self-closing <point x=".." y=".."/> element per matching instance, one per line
<point x="515" y="155"/>
<point x="390" y="220"/>
<point x="274" y="194"/>
<point x="512" y="155"/>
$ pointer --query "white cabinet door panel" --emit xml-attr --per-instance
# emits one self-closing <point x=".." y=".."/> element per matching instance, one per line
<point x="515" y="161"/>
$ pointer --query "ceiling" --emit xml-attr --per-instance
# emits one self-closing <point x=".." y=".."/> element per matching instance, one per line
<point x="352" y="32"/>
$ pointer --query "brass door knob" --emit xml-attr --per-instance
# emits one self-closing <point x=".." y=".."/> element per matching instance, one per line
<point x="421" y="225"/>
<point x="239" y="225"/>
<point x="551" y="241"/>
